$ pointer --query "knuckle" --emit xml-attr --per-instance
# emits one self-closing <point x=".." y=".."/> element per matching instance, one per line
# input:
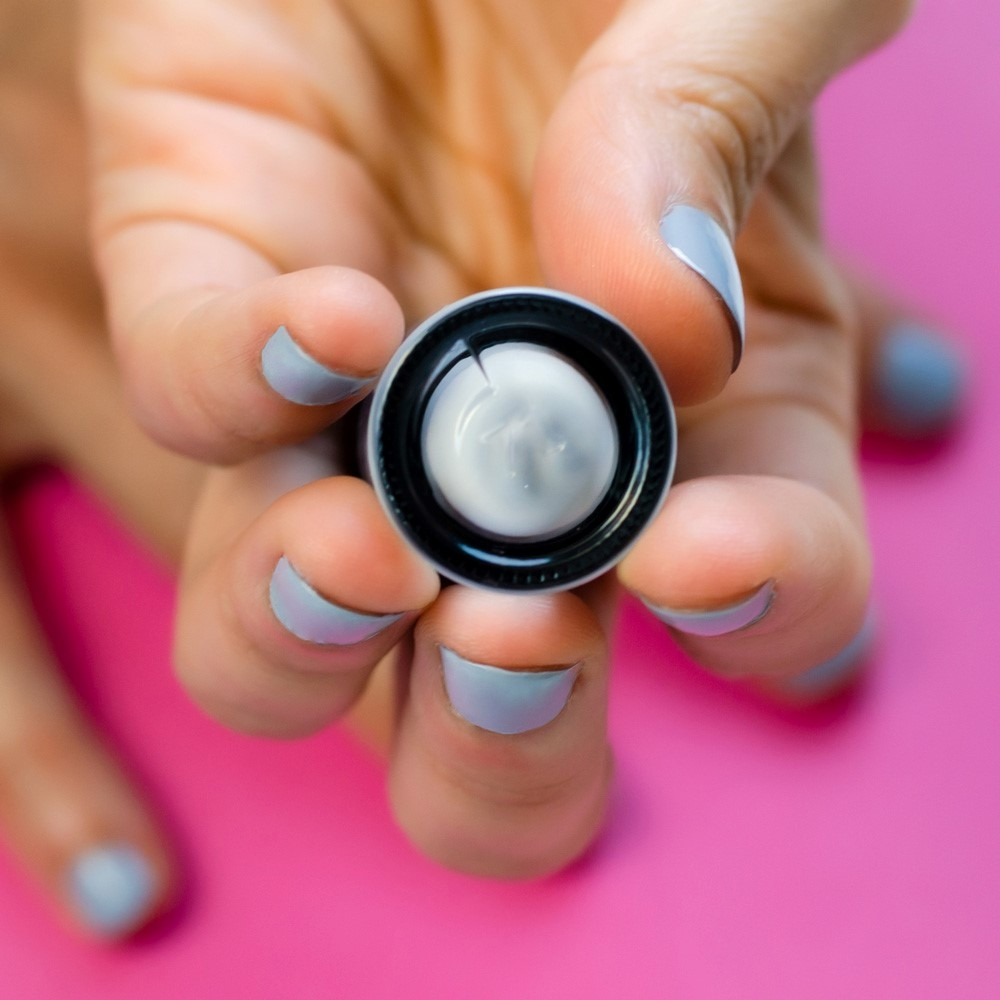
<point x="733" y="124"/>
<point x="208" y="424"/>
<point x="739" y="127"/>
<point x="185" y="412"/>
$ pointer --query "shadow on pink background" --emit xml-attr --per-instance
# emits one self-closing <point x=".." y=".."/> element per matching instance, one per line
<point x="753" y="853"/>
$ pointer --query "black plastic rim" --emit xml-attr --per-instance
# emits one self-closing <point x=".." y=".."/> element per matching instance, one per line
<point x="619" y="368"/>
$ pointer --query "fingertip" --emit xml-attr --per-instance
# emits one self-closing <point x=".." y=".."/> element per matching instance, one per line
<point x="68" y="810"/>
<point x="501" y="765"/>
<point x="115" y="888"/>
<point x="604" y="233"/>
<point x="748" y="589"/>
<point x="918" y="380"/>
<point x="278" y="630"/>
<point x="698" y="241"/>
<point x="723" y="536"/>
<point x="295" y="375"/>
<point x="222" y="374"/>
<point x="356" y="541"/>
<point x="483" y="624"/>
<point x="323" y="334"/>
<point x="834" y="675"/>
<point x="344" y="317"/>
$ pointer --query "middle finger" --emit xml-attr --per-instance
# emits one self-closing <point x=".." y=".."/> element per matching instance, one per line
<point x="294" y="586"/>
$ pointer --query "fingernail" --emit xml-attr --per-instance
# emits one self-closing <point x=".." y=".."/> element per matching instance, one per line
<point x="833" y="673"/>
<point x="919" y="379"/>
<point x="505" y="701"/>
<point x="719" y="621"/>
<point x="112" y="887"/>
<point x="309" y="616"/>
<point x="301" y="379"/>
<point x="699" y="241"/>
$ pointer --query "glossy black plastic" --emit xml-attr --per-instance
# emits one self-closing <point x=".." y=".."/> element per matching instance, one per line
<point x="619" y="368"/>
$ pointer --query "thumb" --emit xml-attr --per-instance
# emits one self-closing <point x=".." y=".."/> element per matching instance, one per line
<point x="653" y="157"/>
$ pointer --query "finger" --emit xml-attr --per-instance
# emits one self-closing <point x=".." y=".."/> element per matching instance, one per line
<point x="653" y="157"/>
<point x="293" y="588"/>
<point x="62" y="385"/>
<point x="66" y="809"/>
<point x="214" y="224"/>
<point x="501" y="764"/>
<point x="766" y="577"/>
<point x="914" y="378"/>
<point x="222" y="375"/>
<point x="759" y="560"/>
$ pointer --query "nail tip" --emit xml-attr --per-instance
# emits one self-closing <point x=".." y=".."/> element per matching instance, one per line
<point x="503" y="701"/>
<point x="719" y="621"/>
<point x="842" y="668"/>
<point x="113" y="888"/>
<point x="920" y="379"/>
<point x="301" y="610"/>
<point x="300" y="378"/>
<point x="698" y="240"/>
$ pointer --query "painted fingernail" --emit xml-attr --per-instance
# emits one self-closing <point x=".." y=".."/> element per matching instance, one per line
<point x="919" y="379"/>
<point x="699" y="241"/>
<point x="302" y="379"/>
<point x="308" y="615"/>
<point x="505" y="701"/>
<point x="112" y="887"/>
<point x="718" y="621"/>
<point x="835" y="672"/>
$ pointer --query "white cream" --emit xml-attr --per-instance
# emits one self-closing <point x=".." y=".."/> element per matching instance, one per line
<point x="519" y="443"/>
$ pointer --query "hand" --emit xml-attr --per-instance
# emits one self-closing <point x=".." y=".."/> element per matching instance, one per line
<point x="67" y="809"/>
<point x="303" y="180"/>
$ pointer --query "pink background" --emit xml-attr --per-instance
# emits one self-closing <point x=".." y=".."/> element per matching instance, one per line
<point x="753" y="853"/>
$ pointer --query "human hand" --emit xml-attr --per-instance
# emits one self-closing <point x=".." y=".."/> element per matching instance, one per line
<point x="301" y="181"/>
<point x="68" y="810"/>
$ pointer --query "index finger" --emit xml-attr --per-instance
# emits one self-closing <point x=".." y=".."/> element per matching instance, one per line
<point x="203" y="201"/>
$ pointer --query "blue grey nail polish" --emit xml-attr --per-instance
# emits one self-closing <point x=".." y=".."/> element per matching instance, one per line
<point x="112" y="886"/>
<point x="301" y="379"/>
<point x="919" y="379"/>
<point x="830" y="674"/>
<point x="505" y="701"/>
<point x="699" y="241"/>
<point x="311" y="617"/>
<point x="719" y="621"/>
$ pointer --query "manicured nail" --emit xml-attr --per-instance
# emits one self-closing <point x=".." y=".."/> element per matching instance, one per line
<point x="505" y="701"/>
<point x="311" y="617"/>
<point x="719" y="621"/>
<point x="919" y="379"/>
<point x="833" y="673"/>
<point x="702" y="244"/>
<point x="301" y="379"/>
<point x="112" y="887"/>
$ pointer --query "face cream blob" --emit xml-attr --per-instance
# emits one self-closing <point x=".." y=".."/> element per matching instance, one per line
<point x="518" y="442"/>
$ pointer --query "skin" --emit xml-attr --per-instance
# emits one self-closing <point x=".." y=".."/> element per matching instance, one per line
<point x="61" y="792"/>
<point x="380" y="161"/>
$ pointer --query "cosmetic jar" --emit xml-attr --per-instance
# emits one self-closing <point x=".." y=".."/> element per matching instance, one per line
<point x="521" y="439"/>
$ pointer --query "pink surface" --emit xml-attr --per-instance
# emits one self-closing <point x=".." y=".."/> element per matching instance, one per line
<point x="850" y="852"/>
